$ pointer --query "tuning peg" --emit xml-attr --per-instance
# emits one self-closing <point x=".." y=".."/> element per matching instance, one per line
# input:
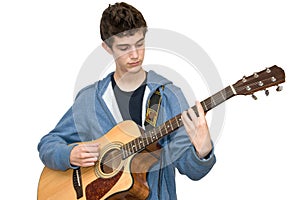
<point x="268" y="70"/>
<point x="267" y="92"/>
<point x="244" y="79"/>
<point x="279" y="88"/>
<point x="254" y="97"/>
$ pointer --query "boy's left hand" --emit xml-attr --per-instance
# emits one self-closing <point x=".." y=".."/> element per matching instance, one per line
<point x="197" y="130"/>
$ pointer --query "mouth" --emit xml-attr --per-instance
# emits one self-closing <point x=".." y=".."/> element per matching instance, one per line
<point x="134" y="64"/>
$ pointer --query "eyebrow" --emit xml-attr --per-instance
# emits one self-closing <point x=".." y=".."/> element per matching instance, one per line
<point x="120" y="45"/>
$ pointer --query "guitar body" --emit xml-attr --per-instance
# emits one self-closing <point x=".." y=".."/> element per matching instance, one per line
<point x="111" y="178"/>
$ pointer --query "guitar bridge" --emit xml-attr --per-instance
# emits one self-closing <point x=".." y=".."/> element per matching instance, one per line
<point x="77" y="184"/>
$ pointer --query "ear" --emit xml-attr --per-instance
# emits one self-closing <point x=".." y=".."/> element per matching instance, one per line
<point x="107" y="48"/>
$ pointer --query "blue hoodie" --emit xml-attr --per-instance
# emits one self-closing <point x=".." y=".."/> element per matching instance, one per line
<point x="90" y="118"/>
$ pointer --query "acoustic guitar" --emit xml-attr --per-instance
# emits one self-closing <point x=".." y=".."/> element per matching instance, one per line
<point x="127" y="152"/>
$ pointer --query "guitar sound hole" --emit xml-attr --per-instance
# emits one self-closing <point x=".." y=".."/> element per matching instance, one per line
<point x="111" y="161"/>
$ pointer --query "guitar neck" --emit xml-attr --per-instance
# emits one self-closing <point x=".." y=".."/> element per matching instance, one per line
<point x="216" y="99"/>
<point x="174" y="123"/>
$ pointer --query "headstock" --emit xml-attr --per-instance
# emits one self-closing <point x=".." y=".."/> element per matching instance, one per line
<point x="260" y="81"/>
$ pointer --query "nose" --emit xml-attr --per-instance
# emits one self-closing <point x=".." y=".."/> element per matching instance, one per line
<point x="134" y="53"/>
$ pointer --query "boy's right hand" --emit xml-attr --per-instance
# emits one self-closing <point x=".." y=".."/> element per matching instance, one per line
<point x="84" y="155"/>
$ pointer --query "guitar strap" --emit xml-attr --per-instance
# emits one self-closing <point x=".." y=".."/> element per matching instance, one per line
<point x="153" y="106"/>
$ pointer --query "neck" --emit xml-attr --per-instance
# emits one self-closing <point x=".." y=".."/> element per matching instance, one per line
<point x="129" y="81"/>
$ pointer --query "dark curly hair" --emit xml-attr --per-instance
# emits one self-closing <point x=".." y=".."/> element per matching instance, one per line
<point x="120" y="19"/>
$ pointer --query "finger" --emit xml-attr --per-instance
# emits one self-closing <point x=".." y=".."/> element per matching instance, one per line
<point x="87" y="159"/>
<point x="192" y="114"/>
<point x="186" y="121"/>
<point x="89" y="155"/>
<point x="92" y="144"/>
<point x="92" y="148"/>
<point x="185" y="116"/>
<point x="200" y="108"/>
<point x="90" y="160"/>
<point x="87" y="162"/>
<point x="82" y="152"/>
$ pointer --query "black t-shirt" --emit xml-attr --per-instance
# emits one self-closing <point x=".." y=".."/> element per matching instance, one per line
<point x="130" y="103"/>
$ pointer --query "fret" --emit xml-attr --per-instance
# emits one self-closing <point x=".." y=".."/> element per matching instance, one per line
<point x="226" y="95"/>
<point x="230" y="92"/>
<point x="174" y="124"/>
<point x="131" y="150"/>
<point x="154" y="136"/>
<point x="180" y="121"/>
<point x="171" y="125"/>
<point x="213" y="102"/>
<point x="167" y="125"/>
<point x="133" y="146"/>
<point x="178" y="124"/>
<point x="217" y="99"/>
<point x="155" y="133"/>
<point x="158" y="133"/>
<point x="124" y="155"/>
<point x="223" y="97"/>
<point x="151" y="137"/>
<point x="165" y="129"/>
<point x="161" y="134"/>
<point x="204" y="105"/>
<point x="124" y="150"/>
<point x="208" y="103"/>
<point x="176" y="119"/>
<point x="145" y="141"/>
<point x="138" y="142"/>
<point x="142" y="142"/>
<point x="149" y="140"/>
<point x="146" y="137"/>
<point x="127" y="149"/>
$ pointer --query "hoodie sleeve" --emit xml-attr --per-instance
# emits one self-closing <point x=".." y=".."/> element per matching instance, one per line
<point x="54" y="149"/>
<point x="178" y="150"/>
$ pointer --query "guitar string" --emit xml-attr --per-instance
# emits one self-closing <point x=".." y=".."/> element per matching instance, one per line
<point x="256" y="82"/>
<point x="174" y="124"/>
<point x="240" y="88"/>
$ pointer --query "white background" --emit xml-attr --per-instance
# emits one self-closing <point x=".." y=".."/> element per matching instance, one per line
<point x="43" y="45"/>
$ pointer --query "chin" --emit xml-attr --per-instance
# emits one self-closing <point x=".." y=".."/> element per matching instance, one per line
<point x="134" y="69"/>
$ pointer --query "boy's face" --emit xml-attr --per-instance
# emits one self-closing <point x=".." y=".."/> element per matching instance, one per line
<point x="128" y="52"/>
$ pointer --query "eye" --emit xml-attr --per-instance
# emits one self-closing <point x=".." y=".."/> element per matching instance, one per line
<point x="123" y="48"/>
<point x="140" y="44"/>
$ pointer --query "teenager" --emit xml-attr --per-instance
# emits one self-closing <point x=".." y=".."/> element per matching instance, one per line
<point x="124" y="95"/>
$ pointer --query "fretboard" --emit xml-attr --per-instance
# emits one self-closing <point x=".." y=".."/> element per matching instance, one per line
<point x="172" y="124"/>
